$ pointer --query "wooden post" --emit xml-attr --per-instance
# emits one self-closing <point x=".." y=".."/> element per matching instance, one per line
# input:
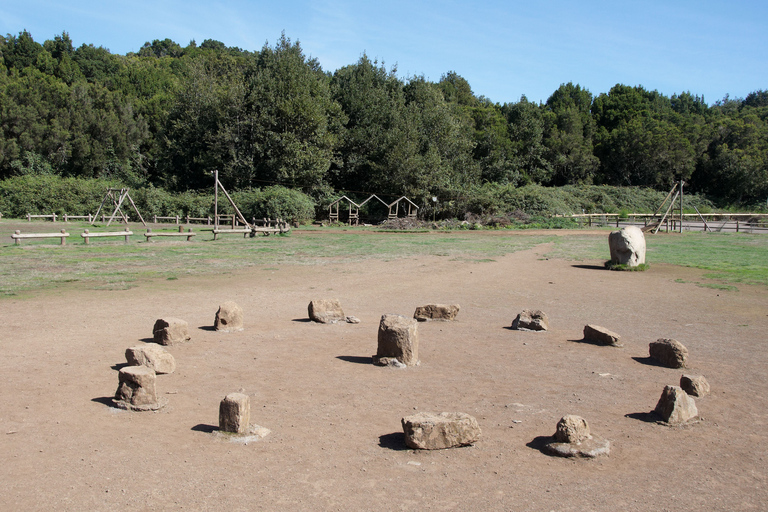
<point x="85" y="237"/>
<point x="189" y="237"/>
<point x="681" y="205"/>
<point x="63" y="238"/>
<point x="18" y="241"/>
<point x="737" y="225"/>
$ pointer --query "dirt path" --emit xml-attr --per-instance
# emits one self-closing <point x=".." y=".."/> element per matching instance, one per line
<point x="336" y="441"/>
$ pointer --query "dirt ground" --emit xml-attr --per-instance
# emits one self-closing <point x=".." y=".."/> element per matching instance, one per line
<point x="336" y="440"/>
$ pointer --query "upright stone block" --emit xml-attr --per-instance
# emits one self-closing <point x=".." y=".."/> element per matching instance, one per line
<point x="136" y="390"/>
<point x="235" y="413"/>
<point x="229" y="317"/>
<point x="326" y="311"/>
<point x="398" y="339"/>
<point x="170" y="331"/>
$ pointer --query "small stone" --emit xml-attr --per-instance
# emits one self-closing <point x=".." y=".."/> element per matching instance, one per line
<point x="352" y="320"/>
<point x="431" y="431"/>
<point x="531" y="320"/>
<point x="675" y="406"/>
<point x="235" y="413"/>
<point x="695" y="385"/>
<point x="398" y="338"/>
<point x="325" y="311"/>
<point x="170" y="331"/>
<point x="670" y="353"/>
<point x="229" y="317"/>
<point x="602" y="336"/>
<point x="445" y="312"/>
<point x="572" y="429"/>
<point x="152" y="356"/>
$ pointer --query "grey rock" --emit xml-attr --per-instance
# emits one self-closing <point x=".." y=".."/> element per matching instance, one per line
<point x="627" y="246"/>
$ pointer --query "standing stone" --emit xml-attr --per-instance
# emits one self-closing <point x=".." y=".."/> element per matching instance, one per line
<point x="627" y="246"/>
<point x="531" y="320"/>
<point x="675" y="406"/>
<point x="670" y="353"/>
<point x="235" y="413"/>
<point x="229" y="317"/>
<point x="436" y="312"/>
<point x="170" y="331"/>
<point x="431" y="431"/>
<point x="574" y="439"/>
<point x="602" y="336"/>
<point x="136" y="390"/>
<point x="326" y="311"/>
<point x="151" y="356"/>
<point x="398" y="339"/>
<point x="572" y="429"/>
<point x="695" y="385"/>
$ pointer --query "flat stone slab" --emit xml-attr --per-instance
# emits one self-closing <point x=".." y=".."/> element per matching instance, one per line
<point x="588" y="448"/>
<point x="152" y="356"/>
<point x="602" y="336"/>
<point x="444" y="312"/>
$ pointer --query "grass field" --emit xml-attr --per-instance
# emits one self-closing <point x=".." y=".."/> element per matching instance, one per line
<point x="730" y="259"/>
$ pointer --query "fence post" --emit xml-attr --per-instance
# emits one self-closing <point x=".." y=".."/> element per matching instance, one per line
<point x="63" y="238"/>
<point x="737" y="225"/>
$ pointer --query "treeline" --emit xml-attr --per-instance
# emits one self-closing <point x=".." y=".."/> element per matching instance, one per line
<point x="167" y="116"/>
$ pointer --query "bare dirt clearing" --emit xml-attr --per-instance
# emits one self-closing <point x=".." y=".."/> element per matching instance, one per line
<point x="336" y="441"/>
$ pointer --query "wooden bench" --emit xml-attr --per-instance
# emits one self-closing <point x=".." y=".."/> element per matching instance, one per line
<point x="216" y="232"/>
<point x="18" y="236"/>
<point x="87" y="234"/>
<point x="189" y="234"/>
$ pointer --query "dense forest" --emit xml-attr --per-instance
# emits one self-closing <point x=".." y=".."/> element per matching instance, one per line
<point x="167" y="116"/>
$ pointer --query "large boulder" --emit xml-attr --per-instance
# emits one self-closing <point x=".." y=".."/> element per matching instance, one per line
<point x="151" y="356"/>
<point x="431" y="431"/>
<point x="436" y="312"/>
<point x="136" y="390"/>
<point x="601" y="336"/>
<point x="668" y="352"/>
<point x="627" y="246"/>
<point x="229" y="317"/>
<point x="531" y="320"/>
<point x="326" y="311"/>
<point x="170" y="331"/>
<point x="675" y="406"/>
<point x="695" y="385"/>
<point x="398" y="338"/>
<point x="235" y="413"/>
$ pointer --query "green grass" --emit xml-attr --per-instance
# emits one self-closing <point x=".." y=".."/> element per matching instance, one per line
<point x="110" y="264"/>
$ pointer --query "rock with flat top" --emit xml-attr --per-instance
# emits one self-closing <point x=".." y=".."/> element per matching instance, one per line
<point x="326" y="311"/>
<point x="668" y="352"/>
<point x="136" y="390"/>
<point x="531" y="320"/>
<point x="444" y="312"/>
<point x="235" y="413"/>
<point x="431" y="431"/>
<point x="602" y="336"/>
<point x="151" y="356"/>
<point x="229" y="317"/>
<point x="675" y="406"/>
<point x="170" y="331"/>
<point x="627" y="246"/>
<point x="399" y="339"/>
<point x="695" y="385"/>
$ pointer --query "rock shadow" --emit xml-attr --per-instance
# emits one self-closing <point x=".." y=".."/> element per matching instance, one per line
<point x="539" y="443"/>
<point x="649" y="361"/>
<point x="105" y="400"/>
<point x="588" y="341"/>
<point x="119" y="366"/>
<point x="302" y="320"/>
<point x="207" y="328"/>
<point x="356" y="359"/>
<point x="647" y="417"/>
<point x="590" y="267"/>
<point x="147" y="340"/>
<point x="203" y="427"/>
<point x="394" y="441"/>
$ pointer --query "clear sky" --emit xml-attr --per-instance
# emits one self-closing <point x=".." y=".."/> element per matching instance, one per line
<point x="504" y="49"/>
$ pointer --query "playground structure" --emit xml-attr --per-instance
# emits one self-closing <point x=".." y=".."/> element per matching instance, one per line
<point x="253" y="229"/>
<point x="353" y="208"/>
<point x="117" y="202"/>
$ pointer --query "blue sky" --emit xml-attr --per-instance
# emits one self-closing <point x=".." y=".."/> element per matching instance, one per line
<point x="504" y="49"/>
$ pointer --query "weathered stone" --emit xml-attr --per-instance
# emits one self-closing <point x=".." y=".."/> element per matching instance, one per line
<point x="170" y="331"/>
<point x="235" y="413"/>
<point x="436" y="312"/>
<point x="326" y="311"/>
<point x="670" y="353"/>
<point x="695" y="385"/>
<point x="572" y="429"/>
<point x="399" y="339"/>
<point x="431" y="431"/>
<point x="229" y="317"/>
<point x="352" y="320"/>
<point x="136" y="390"/>
<point x="627" y="246"/>
<point x="602" y="336"/>
<point x="675" y="406"/>
<point x="152" y="356"/>
<point x="531" y="320"/>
